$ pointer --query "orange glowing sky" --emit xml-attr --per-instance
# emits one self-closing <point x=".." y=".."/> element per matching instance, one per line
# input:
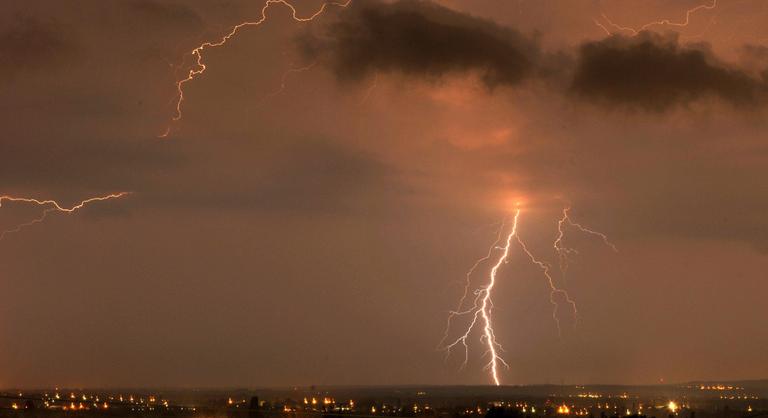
<point x="314" y="225"/>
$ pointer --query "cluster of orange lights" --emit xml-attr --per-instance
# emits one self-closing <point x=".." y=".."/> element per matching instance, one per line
<point x="327" y="402"/>
<point x="734" y="397"/>
<point x="719" y="387"/>
<point x="81" y="406"/>
<point x="673" y="406"/>
<point x="569" y="410"/>
<point x="595" y="395"/>
<point x="78" y="402"/>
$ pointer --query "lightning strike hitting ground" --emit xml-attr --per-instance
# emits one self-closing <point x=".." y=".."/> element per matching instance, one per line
<point x="481" y="309"/>
<point x="661" y="22"/>
<point x="484" y="308"/>
<point x="51" y="206"/>
<point x="460" y="306"/>
<point x="200" y="66"/>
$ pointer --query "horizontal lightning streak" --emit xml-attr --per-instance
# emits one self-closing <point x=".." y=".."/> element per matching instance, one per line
<point x="666" y="22"/>
<point x="51" y="206"/>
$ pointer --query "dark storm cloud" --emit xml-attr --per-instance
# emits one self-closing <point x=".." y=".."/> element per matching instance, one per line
<point x="654" y="72"/>
<point x="423" y="39"/>
<point x="33" y="44"/>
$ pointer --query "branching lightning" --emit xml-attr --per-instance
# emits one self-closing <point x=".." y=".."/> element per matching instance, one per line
<point x="199" y="65"/>
<point x="564" y="252"/>
<point x="482" y="307"/>
<point x="462" y="300"/>
<point x="553" y="289"/>
<point x="660" y="22"/>
<point x="481" y="310"/>
<point x="51" y="206"/>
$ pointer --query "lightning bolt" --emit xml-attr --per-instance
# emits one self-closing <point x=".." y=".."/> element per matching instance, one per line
<point x="51" y="206"/>
<point x="284" y="79"/>
<point x="661" y="22"/>
<point x="553" y="289"/>
<point x="200" y="67"/>
<point x="482" y="306"/>
<point x="370" y="89"/>
<point x="601" y="26"/>
<point x="487" y="306"/>
<point x="564" y="252"/>
<point x="468" y="282"/>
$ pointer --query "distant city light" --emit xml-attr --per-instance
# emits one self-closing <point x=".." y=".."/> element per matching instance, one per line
<point x="673" y="407"/>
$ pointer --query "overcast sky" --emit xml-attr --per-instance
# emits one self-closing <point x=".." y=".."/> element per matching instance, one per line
<point x="315" y="226"/>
